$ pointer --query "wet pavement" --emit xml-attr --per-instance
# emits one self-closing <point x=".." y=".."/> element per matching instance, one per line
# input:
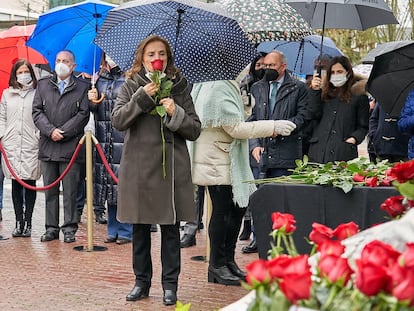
<point x="54" y="276"/>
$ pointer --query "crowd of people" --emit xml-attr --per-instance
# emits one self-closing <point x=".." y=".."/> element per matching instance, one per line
<point x="210" y="137"/>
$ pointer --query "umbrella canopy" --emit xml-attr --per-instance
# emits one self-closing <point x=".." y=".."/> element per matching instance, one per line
<point x="267" y="20"/>
<point x="392" y="78"/>
<point x="71" y="27"/>
<point x="301" y="55"/>
<point x="207" y="43"/>
<point x="344" y="14"/>
<point x="383" y="48"/>
<point x="13" y="47"/>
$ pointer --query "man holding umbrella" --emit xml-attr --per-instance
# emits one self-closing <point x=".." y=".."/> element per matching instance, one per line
<point x="60" y="112"/>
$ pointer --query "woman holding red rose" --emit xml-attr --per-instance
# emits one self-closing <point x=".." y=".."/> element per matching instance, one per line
<point x="148" y="192"/>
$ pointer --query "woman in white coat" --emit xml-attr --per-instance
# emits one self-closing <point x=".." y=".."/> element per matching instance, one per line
<point x="20" y="139"/>
<point x="220" y="161"/>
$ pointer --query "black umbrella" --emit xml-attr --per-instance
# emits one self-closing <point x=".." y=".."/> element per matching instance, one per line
<point x="392" y="77"/>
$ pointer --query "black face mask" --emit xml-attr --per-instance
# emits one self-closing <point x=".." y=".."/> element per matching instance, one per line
<point x="271" y="74"/>
<point x="259" y="74"/>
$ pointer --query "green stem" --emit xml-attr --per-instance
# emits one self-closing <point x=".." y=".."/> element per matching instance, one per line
<point x="332" y="294"/>
<point x="164" y="172"/>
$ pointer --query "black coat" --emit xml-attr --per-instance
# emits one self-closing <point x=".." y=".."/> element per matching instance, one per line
<point x="111" y="140"/>
<point x="291" y="104"/>
<point x="68" y="112"/>
<point x="338" y="121"/>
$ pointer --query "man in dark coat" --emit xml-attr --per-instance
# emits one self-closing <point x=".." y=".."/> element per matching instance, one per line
<point x="60" y="112"/>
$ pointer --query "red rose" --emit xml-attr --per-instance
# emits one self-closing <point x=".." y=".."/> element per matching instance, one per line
<point x="397" y="275"/>
<point x="394" y="206"/>
<point x="297" y="286"/>
<point x="284" y="265"/>
<point x="405" y="289"/>
<point x="331" y="247"/>
<point x="370" y="278"/>
<point x="257" y="271"/>
<point x="285" y="222"/>
<point x="157" y="64"/>
<point x="371" y="181"/>
<point x="407" y="258"/>
<point x="320" y="233"/>
<point x="403" y="171"/>
<point x="358" y="178"/>
<point x="347" y="230"/>
<point x="379" y="253"/>
<point x="335" y="268"/>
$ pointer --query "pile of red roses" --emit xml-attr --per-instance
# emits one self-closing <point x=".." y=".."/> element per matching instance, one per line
<point x="381" y="279"/>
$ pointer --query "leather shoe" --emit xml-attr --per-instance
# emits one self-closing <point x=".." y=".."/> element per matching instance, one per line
<point x="49" y="236"/>
<point x="100" y="218"/>
<point x="69" y="237"/>
<point x="138" y="293"/>
<point x="234" y="268"/>
<point x="170" y="297"/>
<point x="222" y="275"/>
<point x="187" y="240"/>
<point x="121" y="241"/>
<point x="251" y="248"/>
<point x="110" y="240"/>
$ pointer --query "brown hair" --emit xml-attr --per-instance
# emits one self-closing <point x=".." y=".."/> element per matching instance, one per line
<point x="170" y="70"/>
<point x="13" y="77"/>
<point x="343" y="92"/>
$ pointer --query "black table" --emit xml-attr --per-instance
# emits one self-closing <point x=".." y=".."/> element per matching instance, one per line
<point x="310" y="203"/>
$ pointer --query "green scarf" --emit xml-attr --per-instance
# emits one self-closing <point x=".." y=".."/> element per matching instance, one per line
<point x="219" y="103"/>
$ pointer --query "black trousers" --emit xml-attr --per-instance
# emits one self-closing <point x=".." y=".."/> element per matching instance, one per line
<point x="170" y="255"/>
<point x="23" y="197"/>
<point x="224" y="227"/>
<point x="51" y="171"/>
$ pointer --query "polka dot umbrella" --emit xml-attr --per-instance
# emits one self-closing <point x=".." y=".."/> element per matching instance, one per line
<point x="267" y="20"/>
<point x="207" y="44"/>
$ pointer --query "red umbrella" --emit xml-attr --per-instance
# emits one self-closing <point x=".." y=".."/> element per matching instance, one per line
<point x="13" y="47"/>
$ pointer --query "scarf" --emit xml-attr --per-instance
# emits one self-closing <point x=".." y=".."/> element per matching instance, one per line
<point x="218" y="103"/>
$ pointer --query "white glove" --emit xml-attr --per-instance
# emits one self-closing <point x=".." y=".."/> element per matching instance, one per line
<point x="284" y="127"/>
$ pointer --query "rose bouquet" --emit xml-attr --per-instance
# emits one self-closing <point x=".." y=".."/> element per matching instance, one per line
<point x="381" y="279"/>
<point x="164" y="90"/>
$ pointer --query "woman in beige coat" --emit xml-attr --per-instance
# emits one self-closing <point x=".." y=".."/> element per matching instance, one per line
<point x="220" y="161"/>
<point x="20" y="140"/>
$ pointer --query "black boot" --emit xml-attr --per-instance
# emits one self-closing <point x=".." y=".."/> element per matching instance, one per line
<point x="18" y="231"/>
<point x="27" y="232"/>
<point x="247" y="230"/>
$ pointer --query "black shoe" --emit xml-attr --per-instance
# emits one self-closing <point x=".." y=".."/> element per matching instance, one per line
<point x="49" y="236"/>
<point x="222" y="275"/>
<point x="170" y="297"/>
<point x="138" y="293"/>
<point x="110" y="240"/>
<point x="18" y="231"/>
<point x="69" y="237"/>
<point x="100" y="218"/>
<point x="187" y="240"/>
<point x="154" y="228"/>
<point x="247" y="230"/>
<point x="234" y="268"/>
<point x="251" y="248"/>
<point x="122" y="241"/>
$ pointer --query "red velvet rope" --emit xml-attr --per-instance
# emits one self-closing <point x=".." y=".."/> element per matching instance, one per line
<point x="47" y="187"/>
<point x="105" y="162"/>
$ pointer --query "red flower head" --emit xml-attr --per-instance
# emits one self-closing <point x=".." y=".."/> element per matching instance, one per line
<point x="257" y="272"/>
<point x="285" y="222"/>
<point x="157" y="64"/>
<point x="320" y="233"/>
<point x="297" y="286"/>
<point x="370" y="278"/>
<point x="336" y="269"/>
<point x="405" y="289"/>
<point x="394" y="206"/>
<point x="331" y="247"/>
<point x="407" y="258"/>
<point x="403" y="171"/>
<point x="347" y="230"/>
<point x="371" y="181"/>
<point x="358" y="178"/>
<point x="284" y="265"/>
<point x="380" y="253"/>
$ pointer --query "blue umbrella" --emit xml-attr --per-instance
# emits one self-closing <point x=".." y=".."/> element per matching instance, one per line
<point x="71" y="27"/>
<point x="301" y="55"/>
<point x="206" y="42"/>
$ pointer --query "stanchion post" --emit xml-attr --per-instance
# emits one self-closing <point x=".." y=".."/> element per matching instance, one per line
<point x="89" y="188"/>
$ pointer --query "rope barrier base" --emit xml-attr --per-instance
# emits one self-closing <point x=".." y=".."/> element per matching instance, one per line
<point x="94" y="249"/>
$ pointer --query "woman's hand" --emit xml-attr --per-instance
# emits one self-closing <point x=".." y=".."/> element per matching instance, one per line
<point x="351" y="140"/>
<point x="150" y="88"/>
<point x="169" y="105"/>
<point x="316" y="82"/>
<point x="257" y="153"/>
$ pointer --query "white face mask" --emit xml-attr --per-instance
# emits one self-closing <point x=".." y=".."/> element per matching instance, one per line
<point x="62" y="70"/>
<point x="24" y="79"/>
<point x="338" y="80"/>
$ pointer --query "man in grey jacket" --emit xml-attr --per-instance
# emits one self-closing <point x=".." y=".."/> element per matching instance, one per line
<point x="60" y="112"/>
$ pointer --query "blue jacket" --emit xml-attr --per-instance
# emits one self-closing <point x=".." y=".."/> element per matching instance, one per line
<point x="291" y="104"/>
<point x="406" y="122"/>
